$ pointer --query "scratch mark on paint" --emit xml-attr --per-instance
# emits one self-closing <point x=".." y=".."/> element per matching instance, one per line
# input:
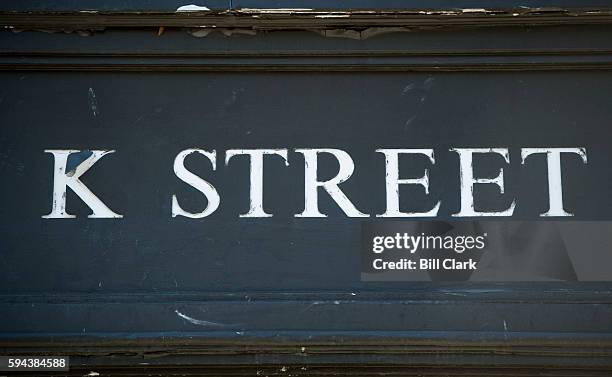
<point x="314" y="303"/>
<point x="408" y="122"/>
<point x="505" y="330"/>
<point x="408" y="88"/>
<point x="202" y="322"/>
<point x="428" y="83"/>
<point x="93" y="102"/>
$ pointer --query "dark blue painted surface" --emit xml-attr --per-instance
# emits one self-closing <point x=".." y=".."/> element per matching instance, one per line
<point x="149" y="284"/>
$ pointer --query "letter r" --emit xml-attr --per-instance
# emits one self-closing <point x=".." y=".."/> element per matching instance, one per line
<point x="63" y="179"/>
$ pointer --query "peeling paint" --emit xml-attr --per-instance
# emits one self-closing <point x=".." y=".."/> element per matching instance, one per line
<point x="191" y="8"/>
<point x="75" y="159"/>
<point x="473" y="10"/>
<point x="333" y="15"/>
<point x="340" y="33"/>
<point x="360" y="34"/>
<point x="274" y="10"/>
<point x="228" y="32"/>
<point x="366" y="22"/>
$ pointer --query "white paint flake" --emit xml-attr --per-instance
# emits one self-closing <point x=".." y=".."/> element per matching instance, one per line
<point x="191" y="8"/>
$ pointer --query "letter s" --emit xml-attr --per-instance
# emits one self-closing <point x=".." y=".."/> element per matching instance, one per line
<point x="196" y="182"/>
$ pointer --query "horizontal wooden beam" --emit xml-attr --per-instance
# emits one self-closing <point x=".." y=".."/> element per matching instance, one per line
<point x="275" y="19"/>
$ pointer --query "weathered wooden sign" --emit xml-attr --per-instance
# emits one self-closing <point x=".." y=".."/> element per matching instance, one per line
<point x="231" y="187"/>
